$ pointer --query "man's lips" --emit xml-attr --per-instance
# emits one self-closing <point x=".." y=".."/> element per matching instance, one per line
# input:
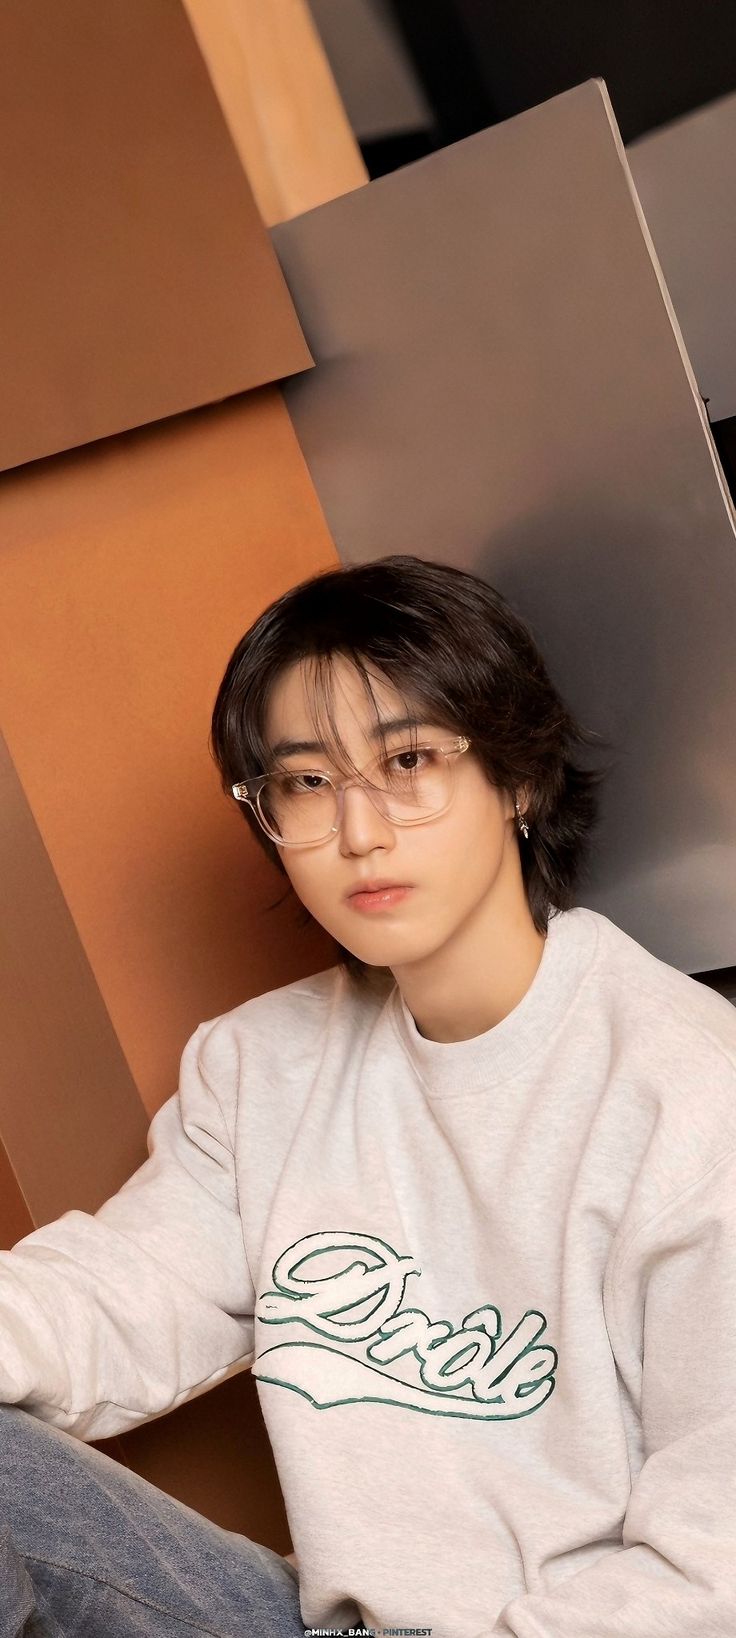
<point x="381" y="899"/>
<point x="377" y="886"/>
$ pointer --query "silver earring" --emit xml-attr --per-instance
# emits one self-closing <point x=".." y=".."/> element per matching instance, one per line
<point x="523" y="826"/>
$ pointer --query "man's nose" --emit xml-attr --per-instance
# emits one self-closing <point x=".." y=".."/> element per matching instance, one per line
<point x="361" y="811"/>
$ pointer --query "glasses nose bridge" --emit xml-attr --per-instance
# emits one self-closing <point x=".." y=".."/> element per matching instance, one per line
<point x="341" y="785"/>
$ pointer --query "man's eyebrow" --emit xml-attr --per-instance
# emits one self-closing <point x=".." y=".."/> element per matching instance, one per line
<point x="290" y="747"/>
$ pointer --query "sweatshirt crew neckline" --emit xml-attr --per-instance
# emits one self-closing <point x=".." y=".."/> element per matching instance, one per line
<point x="447" y="1067"/>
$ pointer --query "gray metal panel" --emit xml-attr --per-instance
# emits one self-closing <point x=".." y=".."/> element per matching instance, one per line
<point x="374" y="73"/>
<point x="501" y="384"/>
<point x="685" y="176"/>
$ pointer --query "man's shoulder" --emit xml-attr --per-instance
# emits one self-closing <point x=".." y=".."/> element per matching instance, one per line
<point x="288" y="1009"/>
<point x="662" y="999"/>
<point x="300" y="995"/>
<point x="290" y="1021"/>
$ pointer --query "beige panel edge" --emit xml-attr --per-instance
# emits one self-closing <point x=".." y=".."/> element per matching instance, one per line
<point x="280" y="101"/>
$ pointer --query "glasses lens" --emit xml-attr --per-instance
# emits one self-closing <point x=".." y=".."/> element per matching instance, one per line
<point x="410" y="785"/>
<point x="298" y="807"/>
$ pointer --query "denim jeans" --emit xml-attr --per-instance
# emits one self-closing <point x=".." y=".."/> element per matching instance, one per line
<point x="89" y="1549"/>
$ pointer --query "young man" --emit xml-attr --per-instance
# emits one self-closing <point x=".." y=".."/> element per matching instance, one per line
<point x="464" y="1201"/>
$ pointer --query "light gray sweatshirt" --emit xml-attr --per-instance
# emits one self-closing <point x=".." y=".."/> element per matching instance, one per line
<point x="487" y="1289"/>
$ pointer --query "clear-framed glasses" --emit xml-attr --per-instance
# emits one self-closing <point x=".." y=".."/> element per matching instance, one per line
<point x="301" y="807"/>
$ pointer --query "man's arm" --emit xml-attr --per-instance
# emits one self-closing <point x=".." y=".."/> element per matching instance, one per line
<point x="671" y="1297"/>
<point x="108" y="1320"/>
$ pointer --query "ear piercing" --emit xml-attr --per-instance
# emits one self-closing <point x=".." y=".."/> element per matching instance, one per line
<point x="523" y="826"/>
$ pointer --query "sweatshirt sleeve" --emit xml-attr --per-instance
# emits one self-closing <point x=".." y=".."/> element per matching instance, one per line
<point x="671" y="1306"/>
<point x="110" y="1319"/>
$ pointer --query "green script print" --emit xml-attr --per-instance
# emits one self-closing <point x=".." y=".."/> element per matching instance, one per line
<point x="474" y="1371"/>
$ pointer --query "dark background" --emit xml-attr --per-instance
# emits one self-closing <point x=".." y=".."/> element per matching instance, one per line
<point x="480" y="61"/>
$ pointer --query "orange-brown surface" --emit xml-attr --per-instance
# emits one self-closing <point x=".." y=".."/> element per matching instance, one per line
<point x="130" y="569"/>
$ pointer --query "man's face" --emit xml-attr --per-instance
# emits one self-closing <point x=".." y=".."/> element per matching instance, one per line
<point x="452" y="862"/>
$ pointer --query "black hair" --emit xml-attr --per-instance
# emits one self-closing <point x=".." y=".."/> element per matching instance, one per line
<point x="459" y="655"/>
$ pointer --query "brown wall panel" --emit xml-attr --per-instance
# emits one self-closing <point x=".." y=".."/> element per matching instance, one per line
<point x="72" y="1125"/>
<point x="133" y="898"/>
<point x="15" y="1218"/>
<point x="137" y="275"/>
<point x="129" y="571"/>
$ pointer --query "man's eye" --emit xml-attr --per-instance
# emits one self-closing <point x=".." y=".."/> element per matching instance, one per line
<point x="422" y="756"/>
<point x="305" y="782"/>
